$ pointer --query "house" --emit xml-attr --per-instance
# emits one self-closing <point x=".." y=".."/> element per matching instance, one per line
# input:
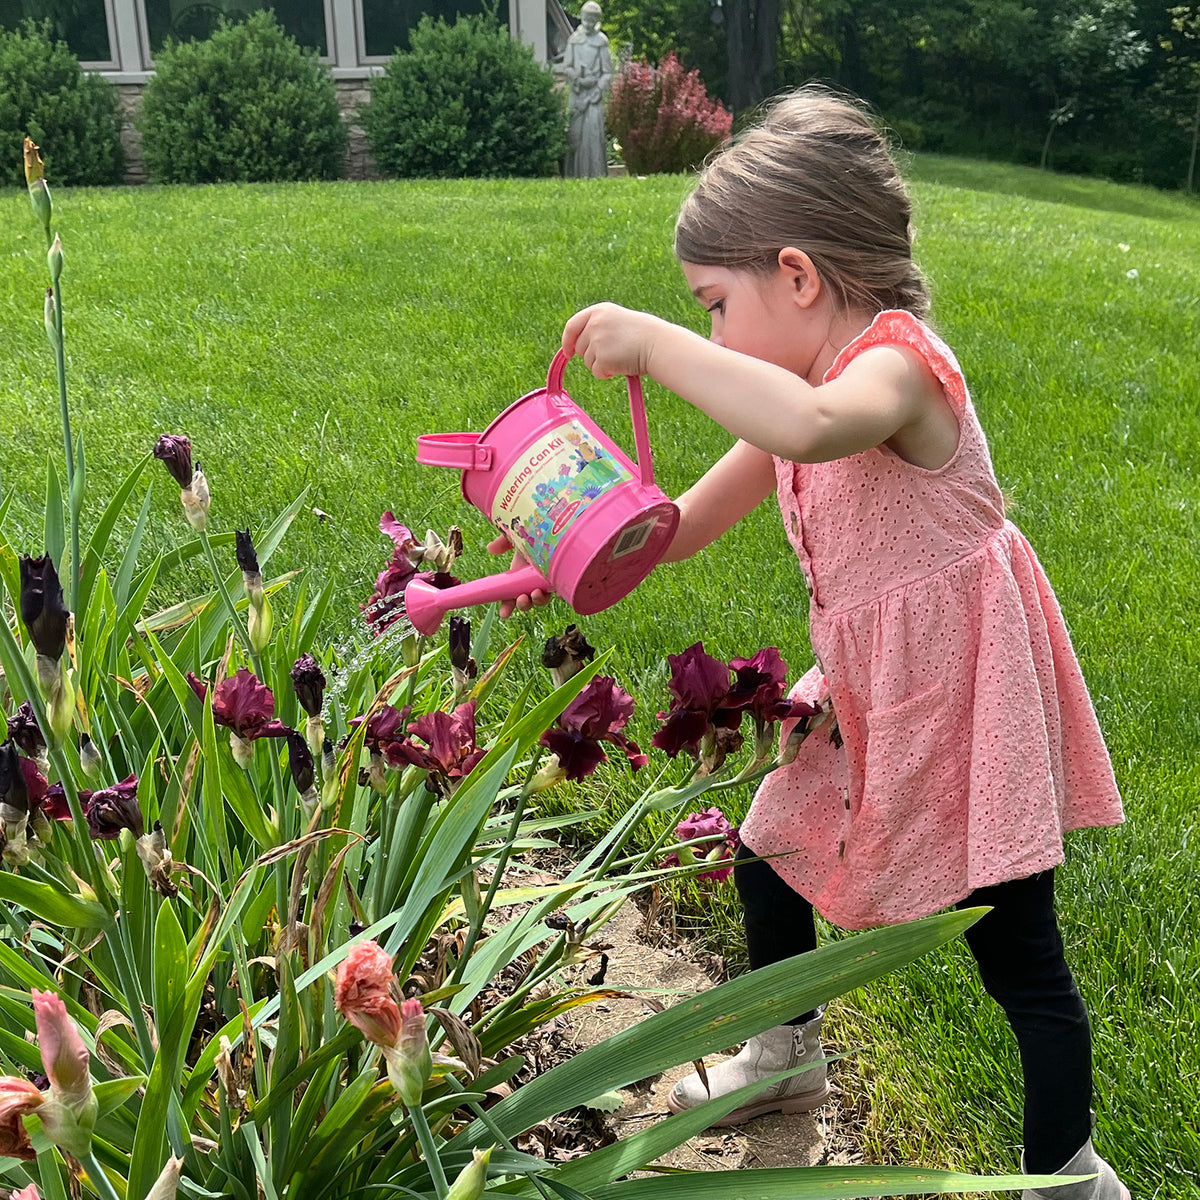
<point x="354" y="38"/>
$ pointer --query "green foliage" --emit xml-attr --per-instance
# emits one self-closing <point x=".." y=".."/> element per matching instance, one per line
<point x="246" y="104"/>
<point x="45" y="95"/>
<point x="189" y="918"/>
<point x="652" y="29"/>
<point x="466" y="100"/>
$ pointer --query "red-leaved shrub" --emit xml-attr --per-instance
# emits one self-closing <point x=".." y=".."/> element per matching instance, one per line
<point x="663" y="118"/>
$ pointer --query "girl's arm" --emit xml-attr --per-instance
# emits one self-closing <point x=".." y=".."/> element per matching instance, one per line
<point x="732" y="487"/>
<point x="883" y="391"/>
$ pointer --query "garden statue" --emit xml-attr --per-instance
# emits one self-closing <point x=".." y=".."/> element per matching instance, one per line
<point x="587" y="65"/>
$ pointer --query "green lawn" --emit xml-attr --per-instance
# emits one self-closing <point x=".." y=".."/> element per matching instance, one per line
<point x="302" y="335"/>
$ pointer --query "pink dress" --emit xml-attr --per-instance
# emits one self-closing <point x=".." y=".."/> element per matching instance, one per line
<point x="969" y="739"/>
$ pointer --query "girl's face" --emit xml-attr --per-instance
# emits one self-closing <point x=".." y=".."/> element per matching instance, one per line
<point x="778" y="316"/>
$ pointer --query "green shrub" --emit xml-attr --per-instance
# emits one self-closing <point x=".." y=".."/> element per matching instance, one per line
<point x="247" y="104"/>
<point x="46" y="95"/>
<point x="467" y="99"/>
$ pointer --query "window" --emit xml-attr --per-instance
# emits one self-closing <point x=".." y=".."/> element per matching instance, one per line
<point x="184" y="20"/>
<point x="386" y="22"/>
<point x="82" y="24"/>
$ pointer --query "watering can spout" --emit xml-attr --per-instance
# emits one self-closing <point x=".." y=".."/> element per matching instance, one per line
<point x="426" y="605"/>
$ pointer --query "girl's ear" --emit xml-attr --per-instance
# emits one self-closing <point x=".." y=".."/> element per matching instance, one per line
<point x="801" y="274"/>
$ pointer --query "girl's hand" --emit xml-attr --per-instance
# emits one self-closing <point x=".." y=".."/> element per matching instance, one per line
<point x="501" y="545"/>
<point x="611" y="340"/>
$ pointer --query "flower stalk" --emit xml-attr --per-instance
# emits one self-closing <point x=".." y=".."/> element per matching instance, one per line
<point x="39" y="195"/>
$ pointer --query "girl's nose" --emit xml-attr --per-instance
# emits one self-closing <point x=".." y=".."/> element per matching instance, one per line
<point x="715" y="338"/>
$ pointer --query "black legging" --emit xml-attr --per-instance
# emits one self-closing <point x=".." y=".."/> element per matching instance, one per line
<point x="1020" y="955"/>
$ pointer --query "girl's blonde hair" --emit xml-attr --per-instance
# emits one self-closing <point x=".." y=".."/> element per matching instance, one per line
<point x="818" y="175"/>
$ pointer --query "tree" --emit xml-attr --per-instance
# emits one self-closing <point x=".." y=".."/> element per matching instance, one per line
<point x="689" y="29"/>
<point x="1092" y="51"/>
<point x="1183" y="58"/>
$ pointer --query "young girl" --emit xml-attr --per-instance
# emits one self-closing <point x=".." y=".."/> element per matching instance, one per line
<point x="968" y="740"/>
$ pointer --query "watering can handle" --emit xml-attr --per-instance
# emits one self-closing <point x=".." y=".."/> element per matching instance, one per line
<point x="637" y="410"/>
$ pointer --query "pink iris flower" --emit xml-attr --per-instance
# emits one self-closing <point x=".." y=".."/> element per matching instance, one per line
<point x="362" y="993"/>
<point x="721" y="843"/>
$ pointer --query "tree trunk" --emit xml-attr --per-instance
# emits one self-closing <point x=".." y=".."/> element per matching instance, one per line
<point x="739" y="43"/>
<point x="1046" y="146"/>
<point x="766" y="34"/>
<point x="751" y="39"/>
<point x="1191" y="176"/>
<point x="851" y="73"/>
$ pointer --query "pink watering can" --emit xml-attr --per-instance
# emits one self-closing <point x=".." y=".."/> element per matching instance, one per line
<point x="591" y="523"/>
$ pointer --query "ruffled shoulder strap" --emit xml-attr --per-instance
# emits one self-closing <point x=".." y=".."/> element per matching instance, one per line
<point x="896" y="327"/>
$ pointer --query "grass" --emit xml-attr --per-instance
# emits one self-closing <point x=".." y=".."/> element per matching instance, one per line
<point x="304" y="334"/>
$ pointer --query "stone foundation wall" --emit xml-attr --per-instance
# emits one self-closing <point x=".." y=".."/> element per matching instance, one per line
<point x="129" y="96"/>
<point x="359" y="163"/>
<point x="350" y="93"/>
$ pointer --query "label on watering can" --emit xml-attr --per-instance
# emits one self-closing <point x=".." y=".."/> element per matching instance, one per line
<point x="552" y="481"/>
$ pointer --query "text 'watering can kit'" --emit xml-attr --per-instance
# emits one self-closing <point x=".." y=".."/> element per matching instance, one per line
<point x="591" y="523"/>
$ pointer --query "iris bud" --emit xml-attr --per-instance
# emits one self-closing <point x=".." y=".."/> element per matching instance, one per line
<point x="89" y="757"/>
<point x="471" y="1179"/>
<point x="51" y="319"/>
<point x="39" y="193"/>
<point x="243" y="750"/>
<point x="410" y="1061"/>
<point x="196" y="501"/>
<point x="54" y="259"/>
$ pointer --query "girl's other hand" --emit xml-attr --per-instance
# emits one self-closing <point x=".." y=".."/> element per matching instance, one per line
<point x="611" y="340"/>
<point x="501" y="545"/>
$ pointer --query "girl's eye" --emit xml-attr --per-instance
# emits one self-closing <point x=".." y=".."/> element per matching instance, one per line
<point x="717" y="307"/>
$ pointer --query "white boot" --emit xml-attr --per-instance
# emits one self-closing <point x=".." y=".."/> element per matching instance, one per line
<point x="1106" y="1185"/>
<point x="776" y="1050"/>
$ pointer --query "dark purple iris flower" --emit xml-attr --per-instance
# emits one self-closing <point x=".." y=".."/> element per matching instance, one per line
<point x="246" y="705"/>
<point x="385" y="606"/>
<point x="300" y="762"/>
<point x="449" y="753"/>
<point x="112" y="809"/>
<point x="758" y="684"/>
<point x="175" y="452"/>
<point x="401" y="535"/>
<point x="598" y="714"/>
<point x="13" y="793"/>
<point x="383" y="727"/>
<point x="54" y="803"/>
<point x="43" y="611"/>
<point x="25" y="731"/>
<point x="35" y="783"/>
<point x="699" y="684"/>
<point x="108" y="810"/>
<point x="247" y="556"/>
<point x="309" y="682"/>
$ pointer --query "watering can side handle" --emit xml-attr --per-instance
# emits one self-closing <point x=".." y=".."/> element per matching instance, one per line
<point x="637" y="411"/>
<point x="462" y="451"/>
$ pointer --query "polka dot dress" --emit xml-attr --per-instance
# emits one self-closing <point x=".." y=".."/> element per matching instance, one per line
<point x="969" y="741"/>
